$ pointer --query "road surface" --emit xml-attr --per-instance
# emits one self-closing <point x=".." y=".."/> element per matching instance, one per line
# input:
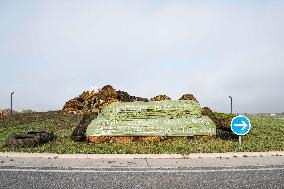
<point x="246" y="172"/>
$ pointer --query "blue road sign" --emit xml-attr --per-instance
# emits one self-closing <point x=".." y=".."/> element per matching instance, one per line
<point x="240" y="125"/>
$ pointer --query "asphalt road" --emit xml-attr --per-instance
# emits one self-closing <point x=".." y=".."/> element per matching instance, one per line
<point x="122" y="171"/>
<point x="238" y="177"/>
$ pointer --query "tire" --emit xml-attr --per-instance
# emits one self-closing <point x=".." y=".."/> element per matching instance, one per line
<point x="42" y="136"/>
<point x="29" y="139"/>
<point x="19" y="141"/>
<point x="79" y="133"/>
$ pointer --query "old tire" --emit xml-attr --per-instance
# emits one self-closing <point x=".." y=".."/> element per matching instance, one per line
<point x="29" y="139"/>
<point x="21" y="141"/>
<point x="79" y="133"/>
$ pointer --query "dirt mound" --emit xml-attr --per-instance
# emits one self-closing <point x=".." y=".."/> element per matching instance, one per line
<point x="85" y="102"/>
<point x="188" y="97"/>
<point x="151" y="138"/>
<point x="160" y="98"/>
<point x="99" y="139"/>
<point x="108" y="92"/>
<point x="117" y="139"/>
<point x="123" y="139"/>
<point x="90" y="101"/>
<point x="125" y="97"/>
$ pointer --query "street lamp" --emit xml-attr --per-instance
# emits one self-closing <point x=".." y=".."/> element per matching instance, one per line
<point x="231" y="104"/>
<point x="12" y="103"/>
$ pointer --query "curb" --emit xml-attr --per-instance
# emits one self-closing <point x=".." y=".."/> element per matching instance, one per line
<point x="142" y="156"/>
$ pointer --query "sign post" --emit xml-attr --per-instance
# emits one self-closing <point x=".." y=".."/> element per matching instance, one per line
<point x="240" y="125"/>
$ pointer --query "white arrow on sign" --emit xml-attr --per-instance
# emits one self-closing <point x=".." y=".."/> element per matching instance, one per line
<point x="243" y="124"/>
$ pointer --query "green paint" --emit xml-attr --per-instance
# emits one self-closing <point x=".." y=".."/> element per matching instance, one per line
<point x="162" y="118"/>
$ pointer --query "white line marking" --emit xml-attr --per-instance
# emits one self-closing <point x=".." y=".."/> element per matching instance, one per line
<point x="140" y="171"/>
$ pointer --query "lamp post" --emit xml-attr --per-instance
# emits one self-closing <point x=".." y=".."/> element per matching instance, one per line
<point x="12" y="103"/>
<point x="231" y="104"/>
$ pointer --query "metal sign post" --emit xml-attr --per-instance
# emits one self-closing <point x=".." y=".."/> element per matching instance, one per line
<point x="240" y="125"/>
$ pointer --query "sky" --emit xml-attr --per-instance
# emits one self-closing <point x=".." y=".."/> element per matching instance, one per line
<point x="51" y="51"/>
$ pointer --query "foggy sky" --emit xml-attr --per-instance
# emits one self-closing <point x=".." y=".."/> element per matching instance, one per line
<point x="51" y="51"/>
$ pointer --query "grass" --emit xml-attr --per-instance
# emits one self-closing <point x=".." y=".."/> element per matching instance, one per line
<point x="266" y="135"/>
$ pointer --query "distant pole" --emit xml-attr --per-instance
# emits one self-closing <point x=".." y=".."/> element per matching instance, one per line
<point x="231" y="104"/>
<point x="12" y="103"/>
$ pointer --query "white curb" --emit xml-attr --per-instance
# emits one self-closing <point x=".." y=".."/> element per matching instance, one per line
<point x="142" y="156"/>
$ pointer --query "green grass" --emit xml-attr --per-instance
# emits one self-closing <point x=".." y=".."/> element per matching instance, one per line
<point x="266" y="135"/>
